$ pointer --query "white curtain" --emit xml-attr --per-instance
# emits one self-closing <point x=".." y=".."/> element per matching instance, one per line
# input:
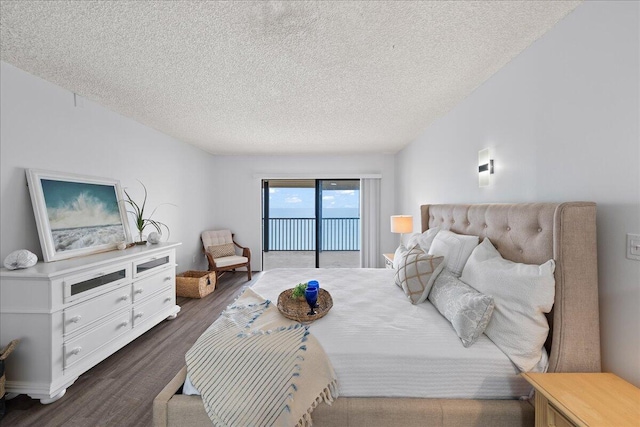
<point x="370" y="256"/>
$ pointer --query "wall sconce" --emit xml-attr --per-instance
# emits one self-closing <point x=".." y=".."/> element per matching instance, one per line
<point x="401" y="224"/>
<point x="485" y="167"/>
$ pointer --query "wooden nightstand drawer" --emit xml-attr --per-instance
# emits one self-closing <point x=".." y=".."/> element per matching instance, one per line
<point x="556" y="419"/>
<point x="584" y="400"/>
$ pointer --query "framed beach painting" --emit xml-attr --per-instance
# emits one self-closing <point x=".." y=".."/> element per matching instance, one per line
<point x="76" y="215"/>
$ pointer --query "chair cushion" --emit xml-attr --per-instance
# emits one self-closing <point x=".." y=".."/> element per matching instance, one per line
<point x="219" y="251"/>
<point x="231" y="260"/>
<point x="216" y="237"/>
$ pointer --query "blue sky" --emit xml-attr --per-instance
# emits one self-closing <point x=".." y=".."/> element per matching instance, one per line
<point x="303" y="198"/>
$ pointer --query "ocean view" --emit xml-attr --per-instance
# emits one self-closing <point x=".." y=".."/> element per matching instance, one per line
<point x="292" y="219"/>
<point x="298" y="233"/>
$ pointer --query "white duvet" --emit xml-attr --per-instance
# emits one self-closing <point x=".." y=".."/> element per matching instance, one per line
<point x="382" y="345"/>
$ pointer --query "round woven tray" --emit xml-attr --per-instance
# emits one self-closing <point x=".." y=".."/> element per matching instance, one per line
<point x="297" y="309"/>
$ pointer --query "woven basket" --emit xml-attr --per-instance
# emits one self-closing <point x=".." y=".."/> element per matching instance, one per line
<point x="297" y="309"/>
<point x="3" y="355"/>
<point x="195" y="284"/>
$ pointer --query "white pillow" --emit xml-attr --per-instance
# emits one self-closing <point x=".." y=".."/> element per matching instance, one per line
<point x="522" y="293"/>
<point x="423" y="240"/>
<point x="400" y="252"/>
<point x="455" y="248"/>
<point x="416" y="273"/>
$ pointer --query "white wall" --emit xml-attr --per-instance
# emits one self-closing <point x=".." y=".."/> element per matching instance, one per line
<point x="40" y="128"/>
<point x="239" y="198"/>
<point x="563" y="121"/>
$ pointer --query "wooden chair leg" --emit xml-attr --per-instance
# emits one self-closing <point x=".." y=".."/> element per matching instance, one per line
<point x="249" y="270"/>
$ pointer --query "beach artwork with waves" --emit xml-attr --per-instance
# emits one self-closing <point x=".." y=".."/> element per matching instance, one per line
<point x="82" y="215"/>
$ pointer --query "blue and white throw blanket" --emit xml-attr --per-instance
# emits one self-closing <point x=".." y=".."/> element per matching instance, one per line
<point x="254" y="367"/>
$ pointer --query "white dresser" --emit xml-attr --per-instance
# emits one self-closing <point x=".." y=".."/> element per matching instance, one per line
<point x="72" y="314"/>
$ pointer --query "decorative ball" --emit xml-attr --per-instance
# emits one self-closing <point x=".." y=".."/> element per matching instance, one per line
<point x="122" y="245"/>
<point x="20" y="259"/>
<point x="154" y="238"/>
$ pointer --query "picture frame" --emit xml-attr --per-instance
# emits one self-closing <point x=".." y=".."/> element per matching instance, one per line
<point x="77" y="215"/>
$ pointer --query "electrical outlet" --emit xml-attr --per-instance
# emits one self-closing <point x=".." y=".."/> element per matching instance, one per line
<point x="193" y="260"/>
<point x="633" y="246"/>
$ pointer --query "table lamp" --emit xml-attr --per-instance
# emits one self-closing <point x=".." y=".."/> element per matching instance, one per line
<point x="401" y="224"/>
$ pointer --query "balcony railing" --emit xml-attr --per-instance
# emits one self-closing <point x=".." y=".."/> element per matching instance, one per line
<point x="299" y="234"/>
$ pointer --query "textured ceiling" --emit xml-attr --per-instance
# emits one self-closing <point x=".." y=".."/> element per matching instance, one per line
<point x="274" y="77"/>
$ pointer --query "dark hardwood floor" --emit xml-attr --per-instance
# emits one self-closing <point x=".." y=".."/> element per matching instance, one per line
<point x="120" y="390"/>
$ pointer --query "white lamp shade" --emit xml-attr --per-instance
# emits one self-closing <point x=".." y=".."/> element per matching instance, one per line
<point x="401" y="223"/>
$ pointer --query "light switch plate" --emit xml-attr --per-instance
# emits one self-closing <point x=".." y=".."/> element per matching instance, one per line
<point x="633" y="246"/>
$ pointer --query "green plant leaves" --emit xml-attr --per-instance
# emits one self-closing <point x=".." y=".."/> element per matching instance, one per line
<point x="137" y="211"/>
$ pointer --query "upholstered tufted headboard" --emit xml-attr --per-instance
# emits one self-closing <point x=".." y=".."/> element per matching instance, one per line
<point x="533" y="233"/>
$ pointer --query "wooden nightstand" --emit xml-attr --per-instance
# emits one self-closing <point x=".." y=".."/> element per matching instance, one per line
<point x="584" y="399"/>
<point x="388" y="260"/>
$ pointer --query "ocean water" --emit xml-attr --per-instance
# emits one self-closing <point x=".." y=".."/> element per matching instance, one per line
<point x="65" y="239"/>
<point x="295" y="230"/>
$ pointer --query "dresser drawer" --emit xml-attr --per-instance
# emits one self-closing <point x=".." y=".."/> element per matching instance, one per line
<point x="156" y="304"/>
<point x="146" y="287"/>
<point x="86" y="285"/>
<point x="102" y="334"/>
<point x="84" y="313"/>
<point x="151" y="264"/>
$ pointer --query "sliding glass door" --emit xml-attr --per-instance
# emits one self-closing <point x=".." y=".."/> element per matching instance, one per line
<point x="311" y="223"/>
<point x="339" y="214"/>
<point x="288" y="224"/>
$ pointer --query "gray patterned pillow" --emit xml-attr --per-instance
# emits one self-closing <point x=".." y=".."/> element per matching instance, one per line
<point x="468" y="310"/>
<point x="219" y="251"/>
<point x="416" y="273"/>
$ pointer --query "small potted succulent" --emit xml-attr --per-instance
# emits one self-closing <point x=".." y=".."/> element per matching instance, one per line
<point x="137" y="211"/>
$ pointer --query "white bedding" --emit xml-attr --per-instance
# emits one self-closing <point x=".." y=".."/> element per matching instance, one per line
<point x="382" y="345"/>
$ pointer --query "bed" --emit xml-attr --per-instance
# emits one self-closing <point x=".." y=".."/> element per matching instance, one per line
<point x="530" y="233"/>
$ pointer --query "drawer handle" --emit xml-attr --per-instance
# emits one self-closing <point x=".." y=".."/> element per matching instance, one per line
<point x="167" y="299"/>
<point x="138" y="315"/>
<point x="75" y="319"/>
<point x="76" y="350"/>
<point x="124" y="323"/>
<point x="99" y="274"/>
<point x="166" y="279"/>
<point x="139" y="290"/>
<point x="154" y="258"/>
<point x="124" y="297"/>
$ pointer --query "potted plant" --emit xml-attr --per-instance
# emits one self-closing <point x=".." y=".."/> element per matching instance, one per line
<point x="139" y="216"/>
